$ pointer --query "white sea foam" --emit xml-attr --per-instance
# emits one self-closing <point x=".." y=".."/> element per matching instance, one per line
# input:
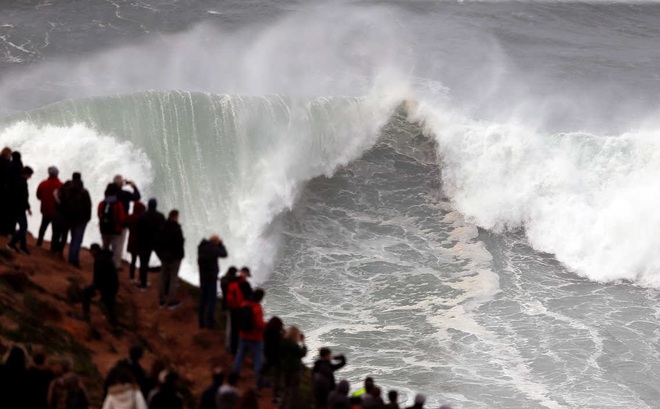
<point x="76" y="148"/>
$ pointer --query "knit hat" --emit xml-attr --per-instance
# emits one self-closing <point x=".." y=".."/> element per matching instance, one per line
<point x="53" y="171"/>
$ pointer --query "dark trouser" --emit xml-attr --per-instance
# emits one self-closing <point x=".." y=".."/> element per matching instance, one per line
<point x="291" y="390"/>
<point x="207" y="300"/>
<point x="45" y="221"/>
<point x="169" y="279"/>
<point x="233" y="338"/>
<point x="145" y="255"/>
<point x="20" y="234"/>
<point x="7" y="222"/>
<point x="77" y="235"/>
<point x="272" y="370"/>
<point x="60" y="233"/>
<point x="108" y="301"/>
<point x="131" y="269"/>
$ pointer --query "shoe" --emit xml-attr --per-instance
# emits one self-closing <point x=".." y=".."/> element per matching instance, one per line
<point x="76" y="265"/>
<point x="142" y="288"/>
<point x="173" y="304"/>
<point x="26" y="251"/>
<point x="13" y="247"/>
<point x="162" y="305"/>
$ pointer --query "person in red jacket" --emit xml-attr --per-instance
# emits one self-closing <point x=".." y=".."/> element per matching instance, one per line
<point x="111" y="222"/>
<point x="238" y="290"/>
<point x="251" y="336"/>
<point x="46" y="193"/>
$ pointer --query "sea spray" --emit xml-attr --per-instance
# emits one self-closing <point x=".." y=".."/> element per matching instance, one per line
<point x="229" y="164"/>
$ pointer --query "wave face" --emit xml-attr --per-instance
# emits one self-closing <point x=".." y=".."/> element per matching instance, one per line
<point x="229" y="164"/>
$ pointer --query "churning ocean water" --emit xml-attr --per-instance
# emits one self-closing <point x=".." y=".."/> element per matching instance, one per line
<point x="462" y="197"/>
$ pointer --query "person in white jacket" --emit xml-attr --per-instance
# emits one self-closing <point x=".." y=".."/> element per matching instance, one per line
<point x="123" y="392"/>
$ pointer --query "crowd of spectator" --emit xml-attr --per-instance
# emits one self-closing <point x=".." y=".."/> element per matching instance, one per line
<point x="276" y="352"/>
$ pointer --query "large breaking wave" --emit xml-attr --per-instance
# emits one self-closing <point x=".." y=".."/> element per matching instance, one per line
<point x="230" y="164"/>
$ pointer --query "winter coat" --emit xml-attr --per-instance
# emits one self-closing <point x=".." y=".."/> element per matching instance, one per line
<point x="170" y="243"/>
<point x="45" y="193"/>
<point x="166" y="398"/>
<point x="131" y="223"/>
<point x="149" y="226"/>
<point x="124" y="396"/>
<point x="111" y="204"/>
<point x="20" y="196"/>
<point x="258" y="324"/>
<point x="338" y="398"/>
<point x="207" y="260"/>
<point x="324" y="372"/>
<point x="75" y="203"/>
<point x="238" y="291"/>
<point x="61" y="388"/>
<point x="106" y="279"/>
<point x="291" y="354"/>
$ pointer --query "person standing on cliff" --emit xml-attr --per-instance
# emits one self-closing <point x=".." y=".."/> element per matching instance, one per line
<point x="238" y="291"/>
<point x="20" y="206"/>
<point x="324" y="375"/>
<point x="125" y="197"/>
<point x="112" y="219"/>
<point x="149" y="226"/>
<point x="105" y="281"/>
<point x="46" y="194"/>
<point x="133" y="247"/>
<point x="76" y="212"/>
<point x="6" y="218"/>
<point x="208" y="253"/>
<point x="170" y="251"/>
<point x="251" y="334"/>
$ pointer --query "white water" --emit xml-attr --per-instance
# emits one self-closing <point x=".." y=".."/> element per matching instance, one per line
<point x="591" y="200"/>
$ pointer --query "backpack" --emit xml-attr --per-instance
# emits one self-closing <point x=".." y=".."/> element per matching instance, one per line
<point x="234" y="295"/>
<point x="107" y="219"/>
<point x="245" y="318"/>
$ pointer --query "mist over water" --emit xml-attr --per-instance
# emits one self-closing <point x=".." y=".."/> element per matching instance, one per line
<point x="458" y="195"/>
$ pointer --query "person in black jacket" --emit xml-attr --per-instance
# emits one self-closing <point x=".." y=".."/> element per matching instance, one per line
<point x="208" y="253"/>
<point x="75" y="206"/>
<point x="209" y="395"/>
<point x="125" y="197"/>
<point x="149" y="226"/>
<point x="20" y="204"/>
<point x="167" y="396"/>
<point x="132" y="364"/>
<point x="170" y="251"/>
<point x="324" y="375"/>
<point x="105" y="281"/>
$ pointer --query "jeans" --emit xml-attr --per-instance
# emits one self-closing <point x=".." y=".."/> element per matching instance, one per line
<point x="77" y="235"/>
<point x="113" y="242"/>
<point x="257" y="348"/>
<point x="20" y="234"/>
<point x="45" y="221"/>
<point x="207" y="300"/>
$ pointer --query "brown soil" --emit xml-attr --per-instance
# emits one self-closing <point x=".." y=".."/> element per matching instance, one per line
<point x="172" y="335"/>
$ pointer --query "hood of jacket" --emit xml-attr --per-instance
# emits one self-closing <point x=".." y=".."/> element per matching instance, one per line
<point x="123" y="396"/>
